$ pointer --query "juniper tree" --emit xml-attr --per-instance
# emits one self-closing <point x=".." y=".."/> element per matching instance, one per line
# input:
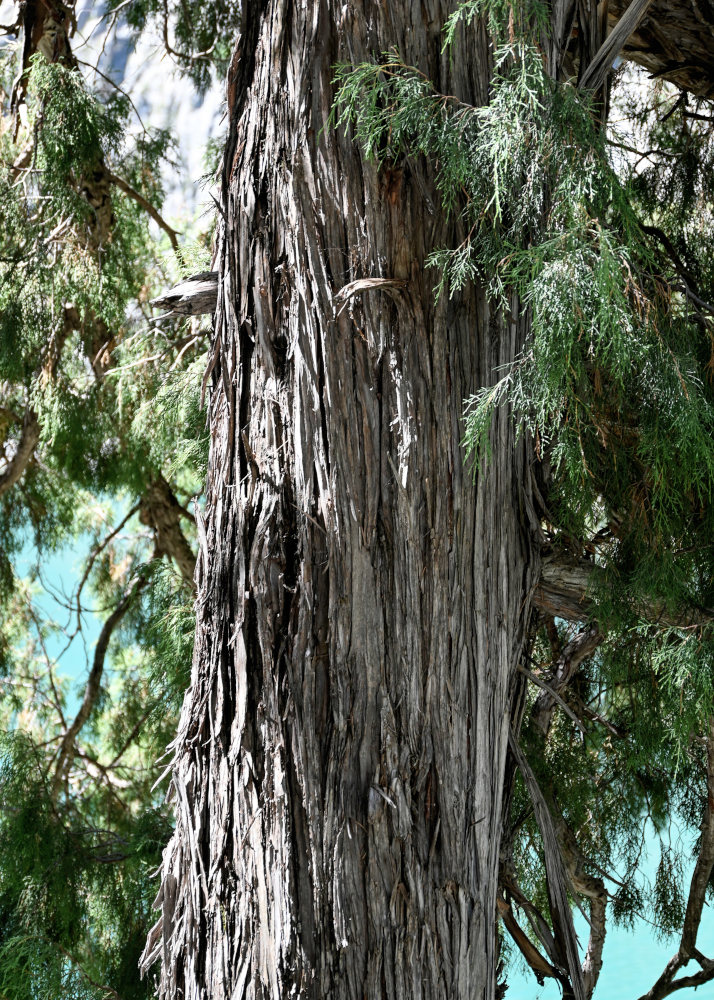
<point x="349" y="817"/>
<point x="425" y="645"/>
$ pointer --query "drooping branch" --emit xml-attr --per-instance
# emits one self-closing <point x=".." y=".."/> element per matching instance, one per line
<point x="667" y="984"/>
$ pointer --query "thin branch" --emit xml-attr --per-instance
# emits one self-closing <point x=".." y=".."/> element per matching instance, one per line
<point x="181" y="55"/>
<point x="109" y="991"/>
<point x="569" y="659"/>
<point x="539" y="682"/>
<point x="96" y="69"/>
<point x="99" y="549"/>
<point x="131" y="737"/>
<point x="642" y="153"/>
<point x="92" y="688"/>
<point x="146" y="205"/>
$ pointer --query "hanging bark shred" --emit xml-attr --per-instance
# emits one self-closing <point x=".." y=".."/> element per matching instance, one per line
<point x="556" y="878"/>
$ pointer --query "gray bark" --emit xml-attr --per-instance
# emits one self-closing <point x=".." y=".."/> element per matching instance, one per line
<point x="362" y="604"/>
<point x="194" y="296"/>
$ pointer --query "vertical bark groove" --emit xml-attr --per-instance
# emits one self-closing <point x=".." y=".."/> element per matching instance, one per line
<point x="361" y="602"/>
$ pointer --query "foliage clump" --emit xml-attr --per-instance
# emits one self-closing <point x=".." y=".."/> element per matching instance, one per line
<point x="100" y="422"/>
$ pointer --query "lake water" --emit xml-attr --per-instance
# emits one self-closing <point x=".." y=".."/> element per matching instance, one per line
<point x="632" y="960"/>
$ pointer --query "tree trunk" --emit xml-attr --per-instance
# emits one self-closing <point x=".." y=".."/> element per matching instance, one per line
<point x="362" y="602"/>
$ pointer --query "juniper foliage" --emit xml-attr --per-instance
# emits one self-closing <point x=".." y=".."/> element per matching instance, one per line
<point x="103" y="444"/>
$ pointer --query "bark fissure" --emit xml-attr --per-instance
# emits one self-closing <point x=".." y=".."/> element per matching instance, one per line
<point x="362" y="603"/>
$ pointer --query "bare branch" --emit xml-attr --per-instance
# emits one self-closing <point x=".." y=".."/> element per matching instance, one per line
<point x="571" y="656"/>
<point x="92" y="688"/>
<point x="194" y="296"/>
<point x="533" y="957"/>
<point x="552" y="694"/>
<point x="146" y="205"/>
<point x="667" y="984"/>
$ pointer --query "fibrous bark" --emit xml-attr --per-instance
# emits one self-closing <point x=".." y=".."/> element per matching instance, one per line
<point x="362" y="603"/>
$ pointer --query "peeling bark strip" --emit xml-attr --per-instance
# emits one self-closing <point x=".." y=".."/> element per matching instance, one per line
<point x="556" y="879"/>
<point x="597" y="71"/>
<point x="194" y="296"/>
<point x="361" y="605"/>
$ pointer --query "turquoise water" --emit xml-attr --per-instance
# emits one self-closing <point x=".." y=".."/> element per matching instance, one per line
<point x="632" y="960"/>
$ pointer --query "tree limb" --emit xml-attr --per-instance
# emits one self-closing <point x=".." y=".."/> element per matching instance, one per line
<point x="146" y="205"/>
<point x="161" y="511"/>
<point x="552" y="694"/>
<point x="667" y="984"/>
<point x="92" y="688"/>
<point x="31" y="430"/>
<point x="533" y="957"/>
<point x="566" y="584"/>
<point x="571" y="656"/>
<point x="194" y="296"/>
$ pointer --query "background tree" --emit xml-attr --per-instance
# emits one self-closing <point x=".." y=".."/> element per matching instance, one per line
<point x="102" y="447"/>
